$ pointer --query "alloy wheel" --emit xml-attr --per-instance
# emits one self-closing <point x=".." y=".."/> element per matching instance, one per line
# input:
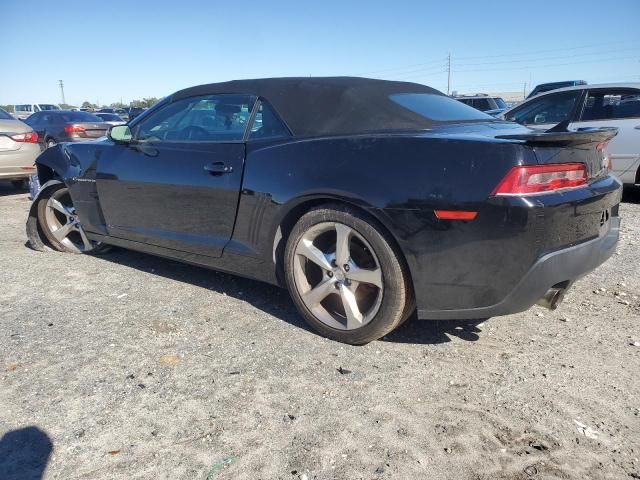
<point x="338" y="276"/>
<point x="63" y="224"/>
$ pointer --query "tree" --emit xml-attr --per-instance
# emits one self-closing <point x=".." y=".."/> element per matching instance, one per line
<point x="86" y="104"/>
<point x="145" y="102"/>
<point x="117" y="105"/>
<point x="7" y="108"/>
<point x="66" y="106"/>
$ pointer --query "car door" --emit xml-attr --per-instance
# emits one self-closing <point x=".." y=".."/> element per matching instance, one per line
<point x="616" y="107"/>
<point x="545" y="111"/>
<point x="177" y="184"/>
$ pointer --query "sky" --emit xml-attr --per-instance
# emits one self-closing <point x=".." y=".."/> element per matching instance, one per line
<point x="123" y="50"/>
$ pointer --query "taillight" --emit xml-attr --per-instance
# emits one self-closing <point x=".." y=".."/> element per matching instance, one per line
<point x="29" y="137"/>
<point x="73" y="129"/>
<point x="532" y="179"/>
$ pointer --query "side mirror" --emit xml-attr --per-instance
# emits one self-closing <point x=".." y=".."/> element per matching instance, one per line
<point x="120" y="134"/>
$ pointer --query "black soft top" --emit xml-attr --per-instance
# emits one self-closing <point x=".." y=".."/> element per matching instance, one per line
<point x="312" y="106"/>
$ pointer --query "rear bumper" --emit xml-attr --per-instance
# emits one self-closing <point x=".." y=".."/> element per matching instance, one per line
<point x="559" y="267"/>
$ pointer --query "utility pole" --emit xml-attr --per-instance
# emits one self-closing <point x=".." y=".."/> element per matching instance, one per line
<point x="449" y="74"/>
<point x="64" y="102"/>
<point x="524" y="91"/>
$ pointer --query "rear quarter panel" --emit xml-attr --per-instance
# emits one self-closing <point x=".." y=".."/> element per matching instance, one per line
<point x="399" y="180"/>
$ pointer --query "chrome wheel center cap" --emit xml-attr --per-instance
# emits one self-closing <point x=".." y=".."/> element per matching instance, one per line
<point x="339" y="275"/>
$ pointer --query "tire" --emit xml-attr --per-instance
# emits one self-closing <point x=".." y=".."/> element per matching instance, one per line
<point x="354" y="302"/>
<point x="19" y="184"/>
<point x="50" y="142"/>
<point x="53" y="223"/>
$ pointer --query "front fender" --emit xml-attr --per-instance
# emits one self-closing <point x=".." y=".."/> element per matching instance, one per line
<point x="59" y="162"/>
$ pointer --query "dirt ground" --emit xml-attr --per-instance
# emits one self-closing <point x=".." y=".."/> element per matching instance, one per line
<point x="127" y="366"/>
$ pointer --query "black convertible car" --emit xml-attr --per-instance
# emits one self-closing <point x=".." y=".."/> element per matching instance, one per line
<point x="366" y="198"/>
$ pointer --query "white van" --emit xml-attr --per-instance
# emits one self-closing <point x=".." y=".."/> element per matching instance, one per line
<point x="23" y="111"/>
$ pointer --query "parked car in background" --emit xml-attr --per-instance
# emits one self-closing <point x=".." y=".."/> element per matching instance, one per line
<point x="488" y="104"/>
<point x="110" y="118"/>
<point x="25" y="110"/>
<point x="19" y="148"/>
<point x="609" y="105"/>
<point x="547" y="87"/>
<point x="365" y="198"/>
<point x="67" y="126"/>
<point x="134" y="112"/>
<point x="122" y="113"/>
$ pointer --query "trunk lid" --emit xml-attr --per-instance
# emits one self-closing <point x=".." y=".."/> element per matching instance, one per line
<point x="8" y="128"/>
<point x="89" y="130"/>
<point x="556" y="145"/>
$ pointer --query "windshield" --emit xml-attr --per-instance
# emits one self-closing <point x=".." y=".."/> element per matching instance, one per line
<point x="438" y="107"/>
<point x="78" y="117"/>
<point x="48" y="106"/>
<point x="500" y="102"/>
<point x="5" y="116"/>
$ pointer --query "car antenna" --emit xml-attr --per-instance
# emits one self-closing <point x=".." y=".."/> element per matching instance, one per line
<point x="563" y="126"/>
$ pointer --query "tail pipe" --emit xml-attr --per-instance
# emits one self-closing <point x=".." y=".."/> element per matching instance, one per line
<point x="552" y="298"/>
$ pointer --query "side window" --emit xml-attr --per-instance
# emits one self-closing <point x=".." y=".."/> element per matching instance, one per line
<point x="33" y="120"/>
<point x="36" y="108"/>
<point x="267" y="124"/>
<point x="552" y="108"/>
<point x="482" y="104"/>
<point x="210" y="118"/>
<point x="611" y="104"/>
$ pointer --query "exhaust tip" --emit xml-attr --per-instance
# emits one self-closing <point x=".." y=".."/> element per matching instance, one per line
<point x="552" y="298"/>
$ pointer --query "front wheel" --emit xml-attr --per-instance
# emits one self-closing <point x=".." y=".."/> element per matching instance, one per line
<point x="345" y="276"/>
<point x="54" y="222"/>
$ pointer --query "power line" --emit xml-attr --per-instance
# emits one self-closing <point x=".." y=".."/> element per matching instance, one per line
<point x="402" y="68"/>
<point x="473" y="57"/>
<point x="532" y="67"/>
<point x="548" y="58"/>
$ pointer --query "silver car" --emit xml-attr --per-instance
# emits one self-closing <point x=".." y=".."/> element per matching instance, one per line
<point x="19" y="148"/>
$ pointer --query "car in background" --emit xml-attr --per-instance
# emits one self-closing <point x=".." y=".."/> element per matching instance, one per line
<point x="25" y="110"/>
<point x="18" y="150"/>
<point x="66" y="126"/>
<point x="134" y="112"/>
<point x="110" y="118"/>
<point x="607" y="105"/>
<point x="547" y="87"/>
<point x="488" y="104"/>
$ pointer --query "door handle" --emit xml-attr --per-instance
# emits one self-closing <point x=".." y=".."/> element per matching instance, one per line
<point x="218" y="168"/>
<point x="637" y="127"/>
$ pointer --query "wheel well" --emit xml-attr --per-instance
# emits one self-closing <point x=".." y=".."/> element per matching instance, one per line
<point x="292" y="217"/>
<point x="45" y="174"/>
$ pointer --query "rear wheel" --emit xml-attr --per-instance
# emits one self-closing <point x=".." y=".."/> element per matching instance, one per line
<point x="50" y="142"/>
<point x="59" y="223"/>
<point x="345" y="275"/>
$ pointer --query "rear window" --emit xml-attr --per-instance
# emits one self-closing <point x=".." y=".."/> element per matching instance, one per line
<point x="610" y="105"/>
<point x="4" y="115"/>
<point x="48" y="106"/>
<point x="111" y="117"/>
<point x="439" y="108"/>
<point x="79" y="117"/>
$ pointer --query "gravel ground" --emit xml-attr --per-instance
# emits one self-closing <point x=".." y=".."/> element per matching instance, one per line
<point x="127" y="366"/>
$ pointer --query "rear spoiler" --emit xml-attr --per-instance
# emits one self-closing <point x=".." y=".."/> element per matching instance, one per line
<point x="560" y="136"/>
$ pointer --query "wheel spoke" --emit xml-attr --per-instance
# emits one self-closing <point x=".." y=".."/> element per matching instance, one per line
<point x="351" y="309"/>
<point x="56" y="205"/>
<point x="343" y="237"/>
<point x="314" y="296"/>
<point x="62" y="232"/>
<point x="307" y="249"/>
<point x="365" y="275"/>
<point x="85" y="240"/>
